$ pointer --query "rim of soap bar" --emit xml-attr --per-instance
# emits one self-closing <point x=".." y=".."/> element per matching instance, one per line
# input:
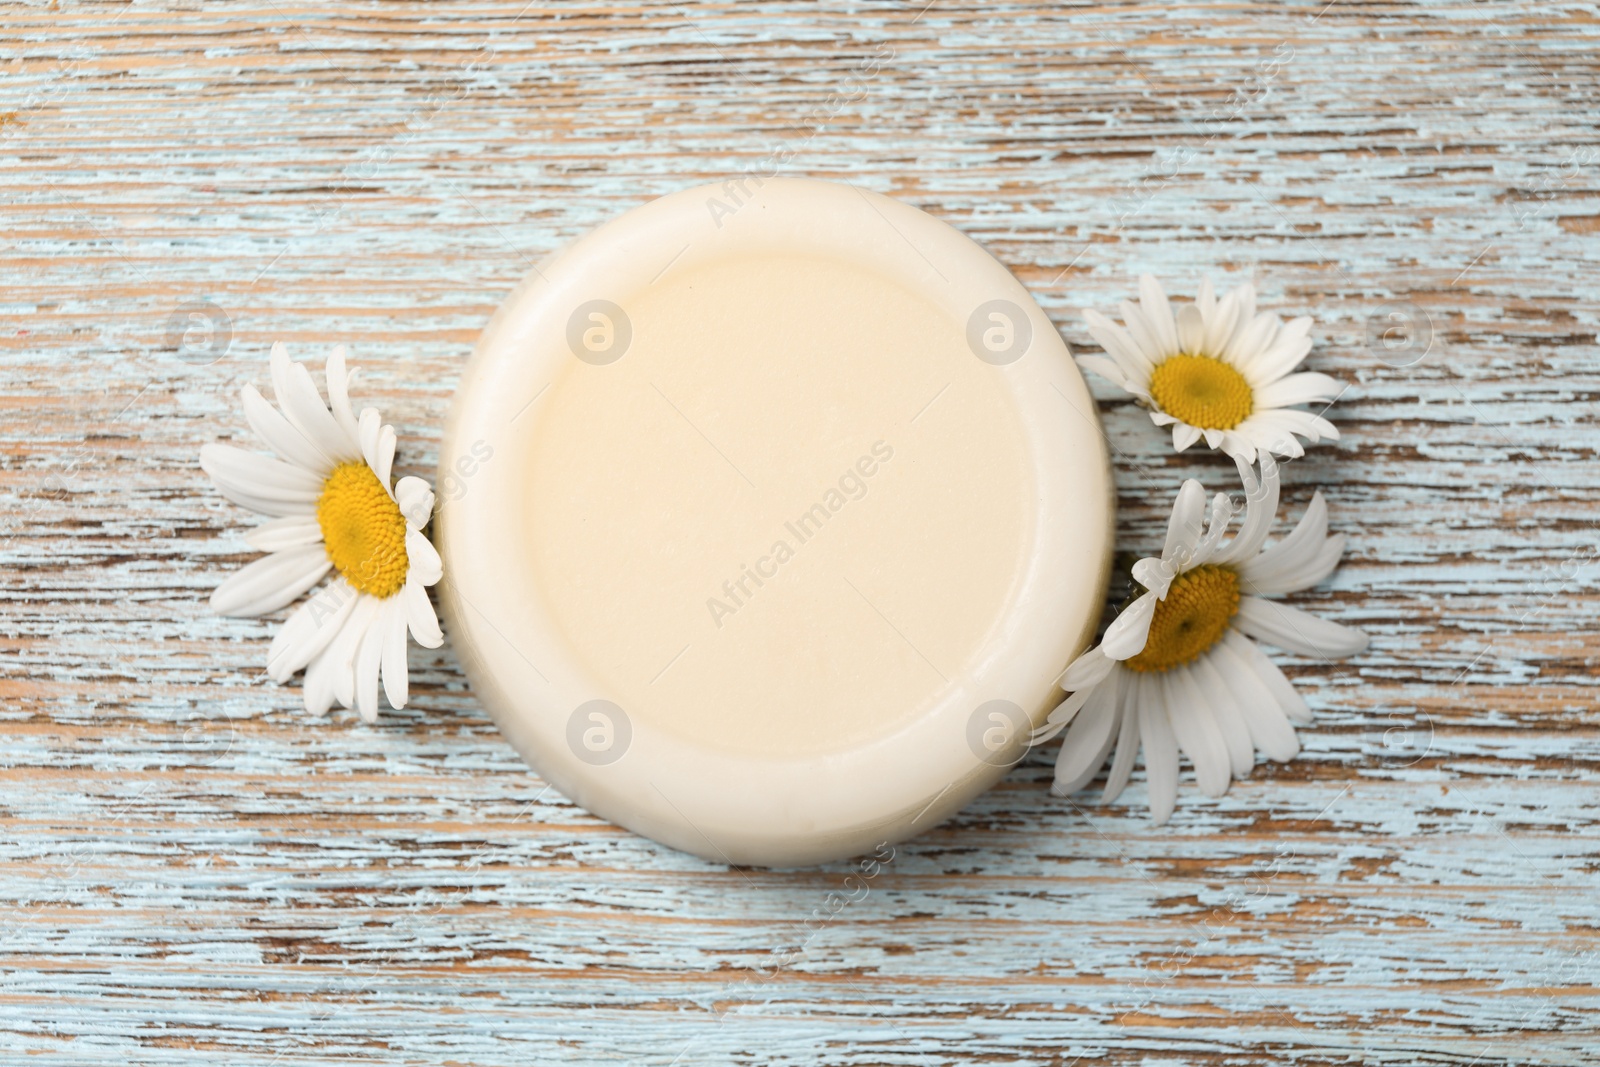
<point x="771" y="808"/>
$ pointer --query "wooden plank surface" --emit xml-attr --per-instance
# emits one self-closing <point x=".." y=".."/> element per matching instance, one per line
<point x="193" y="872"/>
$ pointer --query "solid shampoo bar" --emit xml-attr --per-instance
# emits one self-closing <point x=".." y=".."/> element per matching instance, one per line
<point x="771" y="513"/>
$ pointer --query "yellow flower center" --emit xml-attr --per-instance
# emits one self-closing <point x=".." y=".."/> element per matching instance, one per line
<point x="1198" y="608"/>
<point x="1202" y="391"/>
<point x="363" y="530"/>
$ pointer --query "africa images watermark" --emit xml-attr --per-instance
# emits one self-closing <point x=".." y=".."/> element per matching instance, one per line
<point x="851" y="485"/>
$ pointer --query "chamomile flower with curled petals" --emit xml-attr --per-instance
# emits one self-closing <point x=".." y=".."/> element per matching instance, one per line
<point x="332" y="508"/>
<point x="1215" y="370"/>
<point x="1178" y="671"/>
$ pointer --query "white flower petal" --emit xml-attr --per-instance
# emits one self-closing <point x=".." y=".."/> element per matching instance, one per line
<point x="278" y="364"/>
<point x="1158" y="314"/>
<point x="368" y="427"/>
<point x="1316" y="429"/>
<point x="1126" y="635"/>
<point x="1307" y="387"/>
<point x="280" y="436"/>
<point x="1283" y="691"/>
<point x="1238" y="447"/>
<point x="1087" y="743"/>
<point x="1185" y="527"/>
<point x="369" y="659"/>
<point x="304" y="408"/>
<point x="1127" y="739"/>
<point x="1197" y="731"/>
<point x="1155" y="575"/>
<point x="1298" y="631"/>
<point x="1300" y="560"/>
<point x="1120" y="346"/>
<point x="1225" y="710"/>
<point x="1294" y="576"/>
<point x="1269" y="727"/>
<point x="342" y="653"/>
<point x="385" y="467"/>
<point x="1217" y="526"/>
<point x="1283" y="354"/>
<point x="317" y="688"/>
<point x="1205" y="301"/>
<point x="377" y="445"/>
<point x="1247" y="305"/>
<point x="1086" y="670"/>
<point x="1106" y="368"/>
<point x="1270" y="431"/>
<point x="1160" y="753"/>
<point x="263" y="505"/>
<point x="339" y="379"/>
<point x="1221" y="324"/>
<point x="1183" y="435"/>
<point x="270" y="582"/>
<point x="1143" y="334"/>
<point x="396" y="672"/>
<point x="259" y="476"/>
<point x="1250" y="342"/>
<point x="1287" y="421"/>
<point x="1191" y="331"/>
<point x="1253" y="347"/>
<point x="425" y="567"/>
<point x="309" y="630"/>
<point x="1061" y="716"/>
<point x="415" y="498"/>
<point x="316" y="694"/>
<point x="420" y="616"/>
<point x="1301" y="543"/>
<point x="291" y="531"/>
<point x="1260" y="510"/>
<point x="283" y="387"/>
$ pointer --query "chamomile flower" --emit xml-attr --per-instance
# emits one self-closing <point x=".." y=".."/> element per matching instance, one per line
<point x="332" y="508"/>
<point x="1215" y="370"/>
<point x="1178" y="671"/>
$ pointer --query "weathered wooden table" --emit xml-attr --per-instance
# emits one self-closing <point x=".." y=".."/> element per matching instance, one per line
<point x="193" y="871"/>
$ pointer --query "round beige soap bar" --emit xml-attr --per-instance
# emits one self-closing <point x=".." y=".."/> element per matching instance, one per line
<point x="771" y="513"/>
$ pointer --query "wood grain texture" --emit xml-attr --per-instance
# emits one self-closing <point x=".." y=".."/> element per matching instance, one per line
<point x="193" y="872"/>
